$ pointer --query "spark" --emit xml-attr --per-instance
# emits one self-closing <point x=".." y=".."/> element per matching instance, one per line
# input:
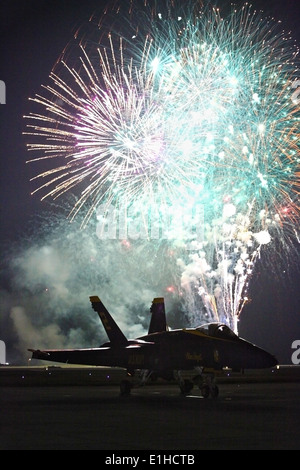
<point x="199" y="110"/>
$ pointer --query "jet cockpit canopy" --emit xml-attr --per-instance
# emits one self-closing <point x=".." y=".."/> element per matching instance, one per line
<point x="217" y="330"/>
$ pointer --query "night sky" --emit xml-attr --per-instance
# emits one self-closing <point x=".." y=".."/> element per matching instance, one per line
<point x="33" y="35"/>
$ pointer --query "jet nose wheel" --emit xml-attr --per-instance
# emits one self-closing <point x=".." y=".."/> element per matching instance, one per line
<point x="207" y="385"/>
<point x="206" y="390"/>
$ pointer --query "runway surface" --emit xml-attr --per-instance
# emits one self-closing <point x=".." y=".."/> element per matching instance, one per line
<point x="245" y="416"/>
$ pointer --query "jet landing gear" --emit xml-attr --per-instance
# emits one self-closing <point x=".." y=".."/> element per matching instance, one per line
<point x="135" y="379"/>
<point x="206" y="384"/>
<point x="185" y="385"/>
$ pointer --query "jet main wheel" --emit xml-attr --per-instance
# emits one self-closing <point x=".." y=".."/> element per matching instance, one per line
<point x="206" y="391"/>
<point x="186" y="386"/>
<point x="125" y="387"/>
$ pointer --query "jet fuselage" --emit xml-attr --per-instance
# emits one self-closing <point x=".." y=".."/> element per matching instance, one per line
<point x="170" y="350"/>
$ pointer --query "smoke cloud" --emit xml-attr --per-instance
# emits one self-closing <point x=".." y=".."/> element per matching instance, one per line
<point x="52" y="273"/>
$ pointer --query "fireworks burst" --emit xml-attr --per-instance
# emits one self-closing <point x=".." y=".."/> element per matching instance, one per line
<point x="198" y="110"/>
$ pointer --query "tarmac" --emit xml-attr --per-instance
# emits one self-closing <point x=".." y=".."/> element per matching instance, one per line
<point x="71" y="408"/>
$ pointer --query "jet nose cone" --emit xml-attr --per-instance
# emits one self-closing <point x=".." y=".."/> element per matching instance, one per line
<point x="265" y="359"/>
<point x="273" y="361"/>
<point x="259" y="358"/>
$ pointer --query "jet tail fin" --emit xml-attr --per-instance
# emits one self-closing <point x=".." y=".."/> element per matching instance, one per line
<point x="114" y="333"/>
<point x="158" y="318"/>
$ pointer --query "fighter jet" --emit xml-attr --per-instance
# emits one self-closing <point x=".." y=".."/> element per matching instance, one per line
<point x="168" y="354"/>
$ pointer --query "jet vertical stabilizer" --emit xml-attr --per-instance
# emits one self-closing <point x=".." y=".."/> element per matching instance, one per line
<point x="158" y="319"/>
<point x="114" y="333"/>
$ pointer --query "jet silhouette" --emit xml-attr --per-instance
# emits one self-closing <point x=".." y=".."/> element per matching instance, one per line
<point x="165" y="353"/>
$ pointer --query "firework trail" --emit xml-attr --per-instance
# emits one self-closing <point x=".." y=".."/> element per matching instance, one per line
<point x="179" y="109"/>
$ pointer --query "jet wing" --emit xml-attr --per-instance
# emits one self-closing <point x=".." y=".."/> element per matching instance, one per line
<point x="106" y="355"/>
<point x="89" y="356"/>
